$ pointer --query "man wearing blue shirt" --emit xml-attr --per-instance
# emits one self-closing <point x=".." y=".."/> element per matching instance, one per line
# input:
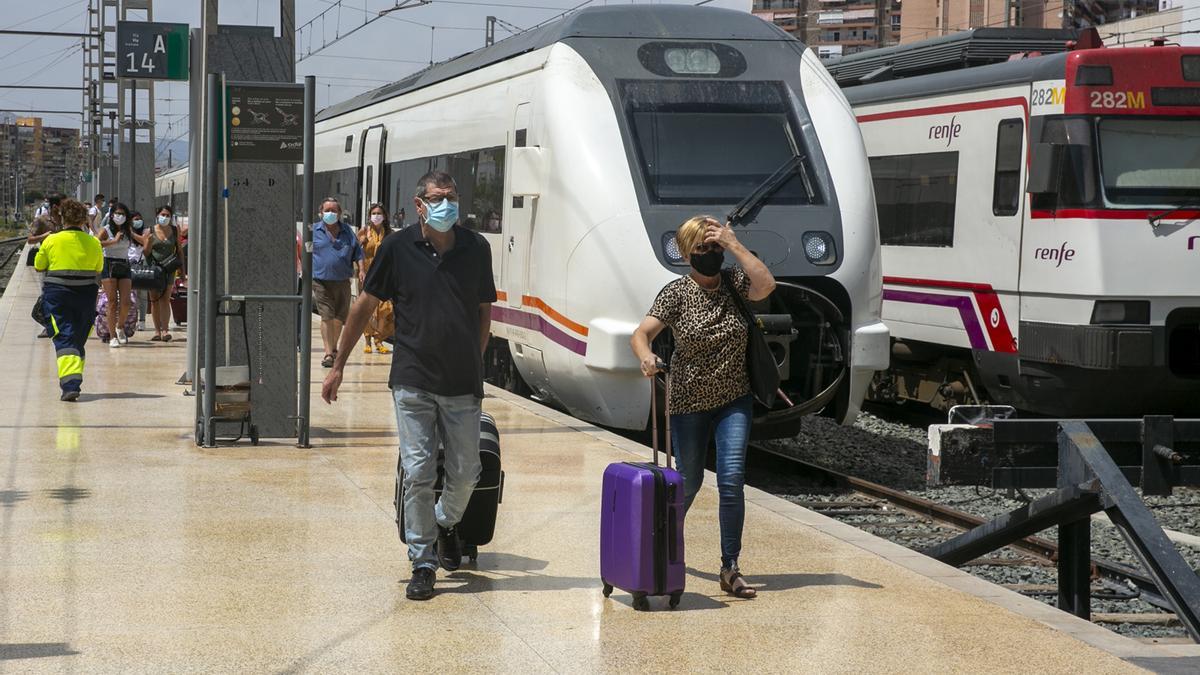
<point x="336" y="256"/>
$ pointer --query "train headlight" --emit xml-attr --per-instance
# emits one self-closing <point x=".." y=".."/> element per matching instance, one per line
<point x="818" y="248"/>
<point x="670" y="249"/>
<point x="1121" y="312"/>
<point x="693" y="61"/>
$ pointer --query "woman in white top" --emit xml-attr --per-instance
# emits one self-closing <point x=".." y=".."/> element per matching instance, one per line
<point x="115" y="238"/>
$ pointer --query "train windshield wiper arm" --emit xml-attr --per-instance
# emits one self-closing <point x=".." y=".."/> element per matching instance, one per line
<point x="768" y="188"/>
<point x="1157" y="218"/>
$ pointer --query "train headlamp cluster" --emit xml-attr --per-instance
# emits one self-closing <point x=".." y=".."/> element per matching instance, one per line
<point x="670" y="249"/>
<point x="692" y="61"/>
<point x="818" y="248"/>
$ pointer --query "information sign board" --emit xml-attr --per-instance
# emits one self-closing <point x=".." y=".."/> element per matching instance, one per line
<point x="265" y="122"/>
<point x="152" y="51"/>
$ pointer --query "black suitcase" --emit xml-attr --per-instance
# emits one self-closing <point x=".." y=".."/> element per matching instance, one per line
<point x="478" y="523"/>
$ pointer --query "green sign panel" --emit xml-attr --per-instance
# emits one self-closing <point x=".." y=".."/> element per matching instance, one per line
<point x="152" y="51"/>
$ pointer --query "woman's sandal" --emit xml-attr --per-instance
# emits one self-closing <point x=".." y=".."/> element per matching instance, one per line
<point x="327" y="362"/>
<point x="381" y="348"/>
<point x="367" y="349"/>
<point x="733" y="583"/>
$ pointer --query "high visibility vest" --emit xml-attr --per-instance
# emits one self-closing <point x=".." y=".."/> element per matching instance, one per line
<point x="71" y="258"/>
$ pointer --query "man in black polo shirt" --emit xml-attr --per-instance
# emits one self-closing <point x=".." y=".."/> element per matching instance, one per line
<point x="438" y="277"/>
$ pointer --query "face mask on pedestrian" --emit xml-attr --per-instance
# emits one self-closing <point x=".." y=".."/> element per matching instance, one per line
<point x="708" y="264"/>
<point x="119" y="219"/>
<point x="376" y="218"/>
<point x="139" y="224"/>
<point x="441" y="216"/>
<point x="163" y="220"/>
<point x="329" y="217"/>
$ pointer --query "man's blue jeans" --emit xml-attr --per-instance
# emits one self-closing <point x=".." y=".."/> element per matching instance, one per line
<point x="423" y="419"/>
<point x="689" y="440"/>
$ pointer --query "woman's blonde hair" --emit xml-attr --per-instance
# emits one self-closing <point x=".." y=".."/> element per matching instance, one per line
<point x="72" y="212"/>
<point x="691" y="232"/>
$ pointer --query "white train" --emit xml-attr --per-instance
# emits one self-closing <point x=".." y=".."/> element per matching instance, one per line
<point x="1039" y="223"/>
<point x="580" y="146"/>
<point x="171" y="188"/>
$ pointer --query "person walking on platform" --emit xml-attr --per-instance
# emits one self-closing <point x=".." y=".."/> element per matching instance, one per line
<point x="96" y="213"/>
<point x="710" y="383"/>
<point x="42" y="227"/>
<point x="72" y="260"/>
<point x="438" y="277"/>
<point x="161" y="245"/>
<point x="116" y="237"/>
<point x="381" y="325"/>
<point x="336" y="256"/>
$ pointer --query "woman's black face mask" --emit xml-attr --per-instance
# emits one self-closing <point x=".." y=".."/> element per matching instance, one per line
<point x="708" y="263"/>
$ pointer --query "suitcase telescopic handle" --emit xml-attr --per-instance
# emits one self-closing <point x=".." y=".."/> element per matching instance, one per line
<point x="654" y="414"/>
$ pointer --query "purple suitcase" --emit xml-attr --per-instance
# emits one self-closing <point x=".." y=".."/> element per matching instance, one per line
<point x="641" y="525"/>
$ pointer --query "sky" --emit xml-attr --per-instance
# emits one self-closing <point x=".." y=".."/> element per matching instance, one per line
<point x="381" y="52"/>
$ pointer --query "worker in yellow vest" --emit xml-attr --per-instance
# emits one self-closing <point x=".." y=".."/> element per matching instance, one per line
<point x="72" y="259"/>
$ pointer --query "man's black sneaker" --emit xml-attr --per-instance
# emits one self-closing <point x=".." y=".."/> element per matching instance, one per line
<point x="69" y="396"/>
<point x="421" y="585"/>
<point x="449" y="548"/>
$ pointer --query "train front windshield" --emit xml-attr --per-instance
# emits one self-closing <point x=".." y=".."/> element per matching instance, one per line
<point x="713" y="142"/>
<point x="1150" y="161"/>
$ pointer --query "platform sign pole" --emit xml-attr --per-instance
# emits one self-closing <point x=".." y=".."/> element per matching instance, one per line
<point x="209" y="290"/>
<point x="305" y="386"/>
<point x="195" y="207"/>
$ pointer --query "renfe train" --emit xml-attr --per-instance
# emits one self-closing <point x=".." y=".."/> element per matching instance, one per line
<point x="1039" y="224"/>
<point x="579" y="147"/>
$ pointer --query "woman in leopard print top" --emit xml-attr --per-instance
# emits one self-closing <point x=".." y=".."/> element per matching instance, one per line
<point x="710" y="387"/>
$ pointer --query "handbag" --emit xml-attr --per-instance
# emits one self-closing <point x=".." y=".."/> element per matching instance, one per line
<point x="147" y="276"/>
<point x="38" y="313"/>
<point x="29" y="257"/>
<point x="760" y="362"/>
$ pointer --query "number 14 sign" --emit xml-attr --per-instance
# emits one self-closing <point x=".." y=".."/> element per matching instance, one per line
<point x="152" y="51"/>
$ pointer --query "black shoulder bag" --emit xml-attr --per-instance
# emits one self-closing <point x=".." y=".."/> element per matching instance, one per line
<point x="760" y="363"/>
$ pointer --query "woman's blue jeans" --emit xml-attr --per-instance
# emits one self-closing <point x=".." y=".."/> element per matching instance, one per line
<point x="689" y="442"/>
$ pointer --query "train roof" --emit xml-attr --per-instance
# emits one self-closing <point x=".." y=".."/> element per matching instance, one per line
<point x="961" y="50"/>
<point x="663" y="22"/>
<point x="1052" y="67"/>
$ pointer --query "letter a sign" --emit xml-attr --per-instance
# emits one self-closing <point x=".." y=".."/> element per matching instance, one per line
<point x="152" y="51"/>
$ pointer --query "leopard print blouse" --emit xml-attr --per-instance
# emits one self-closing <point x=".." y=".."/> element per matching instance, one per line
<point x="708" y="367"/>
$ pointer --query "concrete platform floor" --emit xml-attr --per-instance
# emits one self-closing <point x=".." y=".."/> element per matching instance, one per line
<point x="125" y="547"/>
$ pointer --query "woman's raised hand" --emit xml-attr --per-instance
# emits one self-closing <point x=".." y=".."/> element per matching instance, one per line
<point x="720" y="234"/>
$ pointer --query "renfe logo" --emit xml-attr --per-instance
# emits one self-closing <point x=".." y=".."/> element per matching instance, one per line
<point x="1192" y="243"/>
<point x="947" y="131"/>
<point x="1060" y="255"/>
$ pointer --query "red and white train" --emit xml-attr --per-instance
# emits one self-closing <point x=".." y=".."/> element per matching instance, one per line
<point x="1040" y="223"/>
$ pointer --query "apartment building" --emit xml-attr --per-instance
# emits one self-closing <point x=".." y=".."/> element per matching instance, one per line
<point x="37" y="158"/>
<point x="924" y="19"/>
<point x="834" y="28"/>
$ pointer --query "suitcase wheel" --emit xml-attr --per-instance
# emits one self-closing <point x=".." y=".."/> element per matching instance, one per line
<point x="472" y="552"/>
<point x="675" y="598"/>
<point x="608" y="589"/>
<point x="253" y="434"/>
<point x="640" y="602"/>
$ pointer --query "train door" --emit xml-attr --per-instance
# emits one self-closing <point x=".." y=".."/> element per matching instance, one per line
<point x="372" y="165"/>
<point x="518" y="225"/>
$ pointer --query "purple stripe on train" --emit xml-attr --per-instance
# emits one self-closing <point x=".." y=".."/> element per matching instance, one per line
<point x="516" y="317"/>
<point x="966" y="310"/>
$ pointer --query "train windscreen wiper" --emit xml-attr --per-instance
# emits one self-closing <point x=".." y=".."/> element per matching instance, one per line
<point x="1157" y="218"/>
<point x="747" y="206"/>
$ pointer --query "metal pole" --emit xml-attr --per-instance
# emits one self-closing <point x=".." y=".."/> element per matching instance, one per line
<point x="195" y="211"/>
<point x="210" y="265"/>
<point x="133" y="158"/>
<point x="305" y="384"/>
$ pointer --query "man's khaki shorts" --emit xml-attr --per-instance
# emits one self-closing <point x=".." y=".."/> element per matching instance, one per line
<point x="332" y="299"/>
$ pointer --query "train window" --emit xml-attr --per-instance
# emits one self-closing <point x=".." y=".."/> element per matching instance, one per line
<point x="1077" y="185"/>
<point x="712" y="142"/>
<point x="1150" y="161"/>
<point x="349" y="142"/>
<point x="1006" y="193"/>
<point x="915" y="197"/>
<point x="480" y="178"/>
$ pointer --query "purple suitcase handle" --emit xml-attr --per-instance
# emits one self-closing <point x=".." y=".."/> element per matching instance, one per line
<point x="654" y="414"/>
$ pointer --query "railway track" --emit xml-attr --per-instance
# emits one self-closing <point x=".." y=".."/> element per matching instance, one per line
<point x="856" y="499"/>
<point x="10" y="252"/>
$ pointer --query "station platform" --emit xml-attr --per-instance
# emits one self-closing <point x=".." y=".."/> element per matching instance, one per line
<point x="123" y="546"/>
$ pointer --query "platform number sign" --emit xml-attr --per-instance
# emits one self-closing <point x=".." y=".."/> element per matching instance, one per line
<point x="152" y="51"/>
